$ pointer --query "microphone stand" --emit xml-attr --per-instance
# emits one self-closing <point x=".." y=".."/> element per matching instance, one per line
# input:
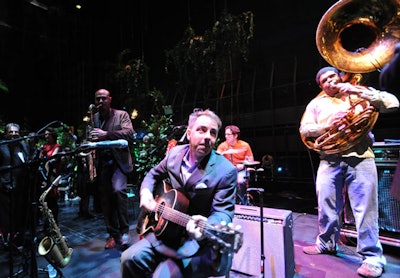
<point x="260" y="193"/>
<point x="37" y="134"/>
<point x="50" y="124"/>
<point x="32" y="218"/>
<point x="3" y="142"/>
<point x="30" y="225"/>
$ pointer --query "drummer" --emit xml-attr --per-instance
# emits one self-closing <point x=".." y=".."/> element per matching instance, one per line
<point x="238" y="152"/>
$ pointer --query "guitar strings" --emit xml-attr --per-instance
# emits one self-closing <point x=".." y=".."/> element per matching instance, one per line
<point x="182" y="219"/>
<point x="179" y="217"/>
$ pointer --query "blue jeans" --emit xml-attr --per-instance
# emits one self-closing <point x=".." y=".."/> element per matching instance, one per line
<point x="358" y="176"/>
<point x="141" y="260"/>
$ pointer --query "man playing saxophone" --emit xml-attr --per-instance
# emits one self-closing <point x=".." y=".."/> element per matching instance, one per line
<point x="351" y="168"/>
<point x="113" y="168"/>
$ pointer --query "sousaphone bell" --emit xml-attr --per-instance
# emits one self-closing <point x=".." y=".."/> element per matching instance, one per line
<point x="355" y="36"/>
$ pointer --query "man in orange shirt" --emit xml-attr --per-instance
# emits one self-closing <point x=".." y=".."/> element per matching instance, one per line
<point x="237" y="152"/>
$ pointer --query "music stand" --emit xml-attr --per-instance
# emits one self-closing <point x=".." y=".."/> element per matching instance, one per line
<point x="29" y="237"/>
<point x="27" y="228"/>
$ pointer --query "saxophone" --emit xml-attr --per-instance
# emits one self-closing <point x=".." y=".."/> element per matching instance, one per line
<point x="54" y="246"/>
<point x="89" y="158"/>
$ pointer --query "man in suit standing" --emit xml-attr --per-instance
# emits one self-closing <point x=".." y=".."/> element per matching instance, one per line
<point x="14" y="186"/>
<point x="208" y="180"/>
<point x="113" y="167"/>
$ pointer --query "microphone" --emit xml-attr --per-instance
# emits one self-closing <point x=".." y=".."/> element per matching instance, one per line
<point x="120" y="143"/>
<point x="93" y="107"/>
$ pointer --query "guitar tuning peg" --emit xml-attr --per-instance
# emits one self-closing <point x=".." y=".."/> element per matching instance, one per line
<point x="230" y="225"/>
<point x="238" y="227"/>
<point x="223" y="223"/>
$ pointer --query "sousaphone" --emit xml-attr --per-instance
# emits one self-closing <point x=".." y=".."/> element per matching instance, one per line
<point x="355" y="36"/>
<point x="359" y="36"/>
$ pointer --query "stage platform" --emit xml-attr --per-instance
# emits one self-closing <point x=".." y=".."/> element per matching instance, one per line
<point x="90" y="260"/>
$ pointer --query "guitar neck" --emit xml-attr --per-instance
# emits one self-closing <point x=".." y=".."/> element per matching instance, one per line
<point x="176" y="216"/>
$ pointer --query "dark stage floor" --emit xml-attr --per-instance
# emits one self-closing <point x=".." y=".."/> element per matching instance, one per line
<point x="89" y="259"/>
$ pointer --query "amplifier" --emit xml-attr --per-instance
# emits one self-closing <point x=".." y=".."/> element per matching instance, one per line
<point x="386" y="153"/>
<point x="386" y="158"/>
<point x="278" y="242"/>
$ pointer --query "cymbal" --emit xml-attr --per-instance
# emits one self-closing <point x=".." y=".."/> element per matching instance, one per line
<point x="250" y="163"/>
<point x="233" y="151"/>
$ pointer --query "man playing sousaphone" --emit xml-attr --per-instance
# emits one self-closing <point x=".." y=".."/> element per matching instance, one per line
<point x="350" y="167"/>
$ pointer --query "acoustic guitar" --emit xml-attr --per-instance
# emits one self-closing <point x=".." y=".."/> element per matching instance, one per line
<point x="168" y="222"/>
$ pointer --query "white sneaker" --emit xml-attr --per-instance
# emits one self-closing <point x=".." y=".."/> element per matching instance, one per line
<point x="369" y="270"/>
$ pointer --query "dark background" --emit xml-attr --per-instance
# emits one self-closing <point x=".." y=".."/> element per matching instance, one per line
<point x="54" y="57"/>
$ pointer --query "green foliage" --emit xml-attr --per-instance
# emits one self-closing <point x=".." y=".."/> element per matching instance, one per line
<point x="65" y="139"/>
<point x="3" y="87"/>
<point x="197" y="62"/>
<point x="130" y="74"/>
<point x="150" y="150"/>
<point x="2" y="125"/>
<point x="213" y="56"/>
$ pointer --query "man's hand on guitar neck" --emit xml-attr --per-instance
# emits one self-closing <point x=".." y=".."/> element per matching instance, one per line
<point x="147" y="200"/>
<point x="195" y="227"/>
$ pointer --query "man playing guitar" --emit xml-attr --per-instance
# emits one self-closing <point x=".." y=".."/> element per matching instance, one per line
<point x="203" y="185"/>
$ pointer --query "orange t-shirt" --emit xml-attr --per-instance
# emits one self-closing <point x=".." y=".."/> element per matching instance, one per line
<point x="240" y="151"/>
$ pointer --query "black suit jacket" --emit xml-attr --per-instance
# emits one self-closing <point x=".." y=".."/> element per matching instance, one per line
<point x="210" y="189"/>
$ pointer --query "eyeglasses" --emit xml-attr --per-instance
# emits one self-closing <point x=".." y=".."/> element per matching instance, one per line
<point x="227" y="134"/>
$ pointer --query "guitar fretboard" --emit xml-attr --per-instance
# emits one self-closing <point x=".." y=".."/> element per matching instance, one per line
<point x="177" y="216"/>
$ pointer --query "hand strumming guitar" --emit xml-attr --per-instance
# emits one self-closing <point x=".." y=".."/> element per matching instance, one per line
<point x="147" y="200"/>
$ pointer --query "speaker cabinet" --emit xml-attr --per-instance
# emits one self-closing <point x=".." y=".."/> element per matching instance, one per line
<point x="389" y="208"/>
<point x="278" y="242"/>
<point x="386" y="157"/>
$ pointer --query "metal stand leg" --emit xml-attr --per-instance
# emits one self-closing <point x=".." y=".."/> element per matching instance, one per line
<point x="260" y="193"/>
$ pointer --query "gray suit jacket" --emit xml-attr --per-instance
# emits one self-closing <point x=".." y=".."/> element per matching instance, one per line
<point x="210" y="189"/>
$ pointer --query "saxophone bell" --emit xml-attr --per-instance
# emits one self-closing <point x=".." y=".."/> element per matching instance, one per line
<point x="51" y="251"/>
<point x="54" y="247"/>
